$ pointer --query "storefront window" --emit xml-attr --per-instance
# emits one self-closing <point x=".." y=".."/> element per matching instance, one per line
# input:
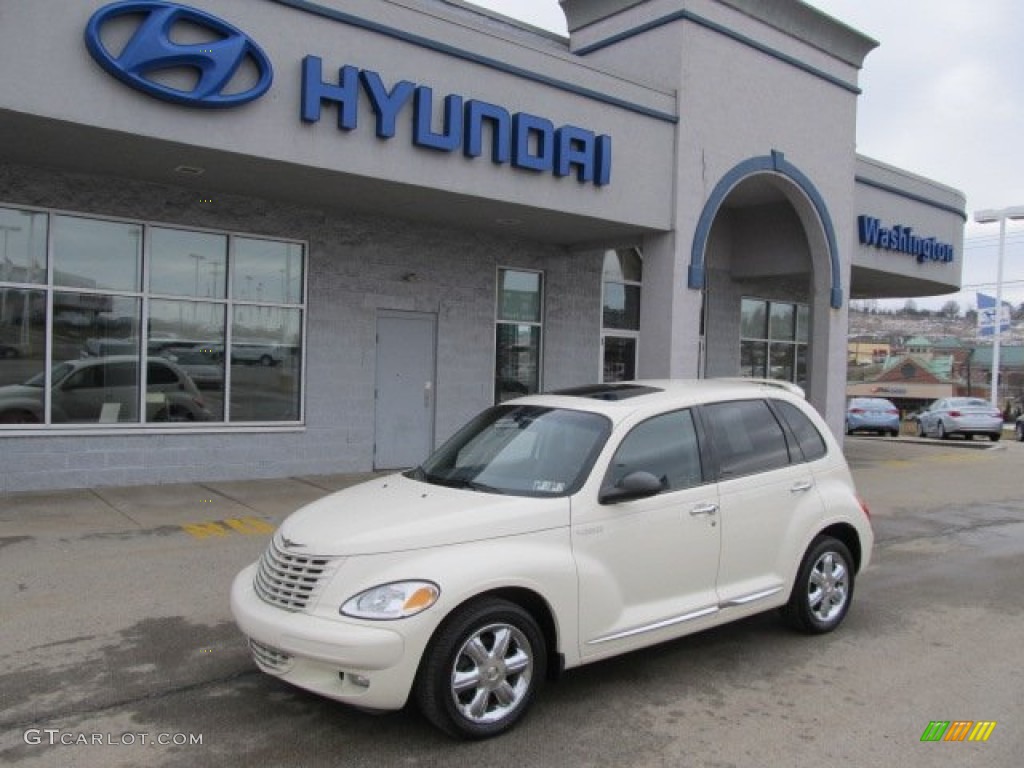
<point x="188" y="263"/>
<point x="620" y="318"/>
<point x="773" y="340"/>
<point x="94" y="254"/>
<point x="518" y="334"/>
<point x="96" y="321"/>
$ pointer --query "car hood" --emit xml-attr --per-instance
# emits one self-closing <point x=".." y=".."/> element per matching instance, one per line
<point x="394" y="514"/>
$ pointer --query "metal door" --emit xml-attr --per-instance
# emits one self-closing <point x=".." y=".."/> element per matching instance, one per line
<point x="404" y="408"/>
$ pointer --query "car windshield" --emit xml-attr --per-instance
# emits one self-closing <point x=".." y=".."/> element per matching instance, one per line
<point x="523" y="450"/>
<point x="57" y="373"/>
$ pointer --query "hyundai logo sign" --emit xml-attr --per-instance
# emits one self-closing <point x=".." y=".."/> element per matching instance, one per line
<point x="151" y="57"/>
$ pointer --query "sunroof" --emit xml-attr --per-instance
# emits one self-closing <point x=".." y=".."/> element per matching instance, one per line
<point x="608" y="391"/>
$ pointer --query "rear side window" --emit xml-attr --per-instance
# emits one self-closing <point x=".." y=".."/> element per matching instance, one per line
<point x="666" y="446"/>
<point x="747" y="437"/>
<point x="812" y="444"/>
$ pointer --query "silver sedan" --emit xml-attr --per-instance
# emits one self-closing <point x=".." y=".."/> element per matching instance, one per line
<point x="967" y="416"/>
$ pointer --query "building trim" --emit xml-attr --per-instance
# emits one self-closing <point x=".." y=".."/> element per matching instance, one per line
<point x="476" y="58"/>
<point x="713" y="26"/>
<point x="773" y="163"/>
<point x="911" y="196"/>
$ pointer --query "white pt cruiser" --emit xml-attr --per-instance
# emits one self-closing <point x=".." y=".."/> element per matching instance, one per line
<point x="553" y="531"/>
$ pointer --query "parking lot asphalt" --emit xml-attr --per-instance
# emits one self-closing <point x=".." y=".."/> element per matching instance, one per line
<point x="116" y="625"/>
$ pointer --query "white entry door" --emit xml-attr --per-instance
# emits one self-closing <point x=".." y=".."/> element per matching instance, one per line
<point x="404" y="409"/>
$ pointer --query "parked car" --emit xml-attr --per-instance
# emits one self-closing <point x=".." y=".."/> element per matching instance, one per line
<point x="967" y="416"/>
<point x="553" y="531"/>
<point x="102" y="390"/>
<point x="204" y="366"/>
<point x="1018" y="428"/>
<point x="872" y="414"/>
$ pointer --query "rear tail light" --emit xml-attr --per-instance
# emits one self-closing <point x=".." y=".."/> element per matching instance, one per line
<point x="893" y="412"/>
<point x="955" y="414"/>
<point x="856" y="410"/>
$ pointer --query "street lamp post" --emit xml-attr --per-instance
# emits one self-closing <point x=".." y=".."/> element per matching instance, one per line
<point x="989" y="216"/>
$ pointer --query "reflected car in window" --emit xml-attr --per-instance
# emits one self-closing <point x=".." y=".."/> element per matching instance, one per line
<point x="554" y="531"/>
<point x="872" y="414"/>
<point x="966" y="416"/>
<point x="102" y="390"/>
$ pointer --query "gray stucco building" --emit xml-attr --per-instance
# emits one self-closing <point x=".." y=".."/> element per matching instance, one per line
<point x="354" y="224"/>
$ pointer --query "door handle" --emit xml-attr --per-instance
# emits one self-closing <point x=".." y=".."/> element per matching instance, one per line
<point x="801" y="487"/>
<point x="704" y="509"/>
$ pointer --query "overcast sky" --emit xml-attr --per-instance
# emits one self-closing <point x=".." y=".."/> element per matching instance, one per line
<point x="943" y="97"/>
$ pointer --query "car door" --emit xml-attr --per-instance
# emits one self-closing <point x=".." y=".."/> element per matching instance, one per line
<point x="647" y="567"/>
<point x="767" y="498"/>
<point x="929" y="417"/>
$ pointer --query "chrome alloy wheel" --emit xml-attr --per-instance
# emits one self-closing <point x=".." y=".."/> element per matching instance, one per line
<point x="827" y="589"/>
<point x="492" y="673"/>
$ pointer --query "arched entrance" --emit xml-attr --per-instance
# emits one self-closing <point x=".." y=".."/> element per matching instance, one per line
<point x="765" y="256"/>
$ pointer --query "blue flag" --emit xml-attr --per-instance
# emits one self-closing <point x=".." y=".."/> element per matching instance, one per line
<point x="987" y="316"/>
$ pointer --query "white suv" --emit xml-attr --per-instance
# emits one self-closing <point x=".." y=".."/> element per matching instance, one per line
<point x="553" y="531"/>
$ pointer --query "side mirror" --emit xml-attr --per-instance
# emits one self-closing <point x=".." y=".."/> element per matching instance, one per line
<point x="635" y="485"/>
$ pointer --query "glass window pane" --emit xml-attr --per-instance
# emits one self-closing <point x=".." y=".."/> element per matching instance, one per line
<point x="747" y="437"/>
<point x="267" y="270"/>
<point x="191" y="335"/>
<point x="801" y="365"/>
<point x="88" y="253"/>
<point x="783" y="322"/>
<point x="622" y="306"/>
<point x="619" y="359"/>
<point x="754" y="319"/>
<point x="754" y="359"/>
<point x="266" y="364"/>
<point x="519" y="296"/>
<point x="624" y="265"/>
<point x="518" y="361"/>
<point x="22" y="246"/>
<point x="812" y="444"/>
<point x="665" y="446"/>
<point x="782" y="362"/>
<point x="22" y="355"/>
<point x="187" y="263"/>
<point x="803" y="323"/>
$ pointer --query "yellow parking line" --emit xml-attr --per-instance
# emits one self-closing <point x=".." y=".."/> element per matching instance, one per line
<point x="246" y="526"/>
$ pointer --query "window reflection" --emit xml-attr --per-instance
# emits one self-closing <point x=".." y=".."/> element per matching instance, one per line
<point x="87" y="324"/>
<point x="22" y="354"/>
<point x="188" y="263"/>
<point x="266" y="361"/>
<point x="88" y="253"/>
<point x="267" y="271"/>
<point x="22" y="246"/>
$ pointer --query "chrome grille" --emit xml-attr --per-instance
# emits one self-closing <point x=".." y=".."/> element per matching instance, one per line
<point x="270" y="659"/>
<point x="289" y="579"/>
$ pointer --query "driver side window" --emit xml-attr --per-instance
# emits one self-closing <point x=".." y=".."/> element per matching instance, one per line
<point x="666" y="446"/>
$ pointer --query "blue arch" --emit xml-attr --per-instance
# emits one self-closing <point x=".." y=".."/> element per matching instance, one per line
<point x="773" y="163"/>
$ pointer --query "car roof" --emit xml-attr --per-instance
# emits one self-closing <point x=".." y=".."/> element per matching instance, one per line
<point x="620" y="399"/>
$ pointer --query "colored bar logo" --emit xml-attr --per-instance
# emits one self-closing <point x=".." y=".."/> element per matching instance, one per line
<point x="958" y="730"/>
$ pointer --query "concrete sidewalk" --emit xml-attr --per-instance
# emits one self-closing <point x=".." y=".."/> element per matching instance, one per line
<point x="149" y="507"/>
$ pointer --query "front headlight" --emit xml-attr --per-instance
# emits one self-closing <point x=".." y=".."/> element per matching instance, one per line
<point x="399" y="600"/>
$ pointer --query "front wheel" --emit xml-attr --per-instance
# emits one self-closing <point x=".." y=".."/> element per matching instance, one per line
<point x="482" y="669"/>
<point x="942" y="433"/>
<point x="824" y="588"/>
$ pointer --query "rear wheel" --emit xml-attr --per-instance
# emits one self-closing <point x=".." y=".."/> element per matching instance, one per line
<point x="994" y="437"/>
<point x="482" y="669"/>
<point x="942" y="434"/>
<point x="824" y="588"/>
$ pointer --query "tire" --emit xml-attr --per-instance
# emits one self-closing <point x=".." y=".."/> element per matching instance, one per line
<point x="941" y="432"/>
<point x="920" y="430"/>
<point x="267" y="361"/>
<point x="481" y="670"/>
<point x="823" y="589"/>
<point x="994" y="437"/>
<point x="1020" y="433"/>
